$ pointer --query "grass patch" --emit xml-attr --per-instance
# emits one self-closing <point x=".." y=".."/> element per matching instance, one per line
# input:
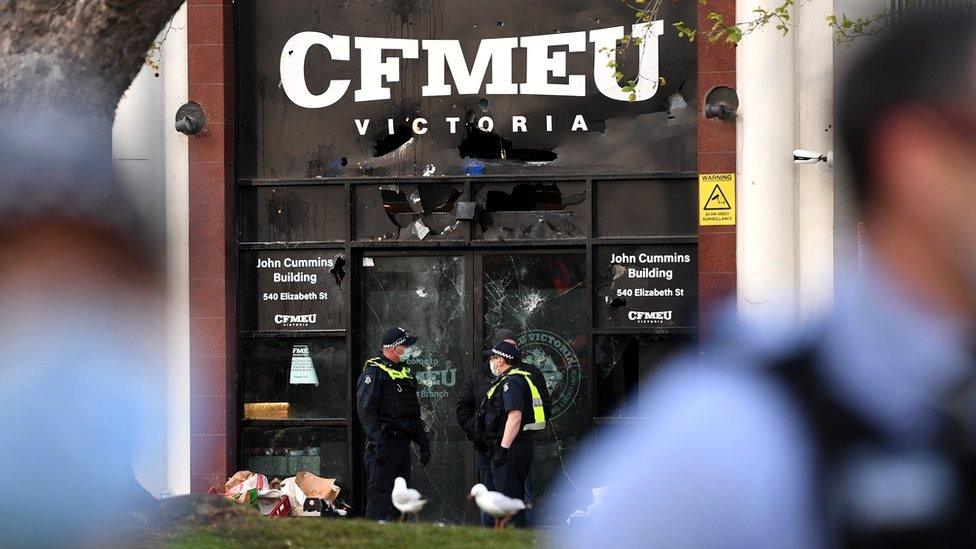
<point x="311" y="532"/>
<point x="244" y="527"/>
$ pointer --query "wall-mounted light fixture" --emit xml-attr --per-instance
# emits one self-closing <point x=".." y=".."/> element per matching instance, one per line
<point x="721" y="102"/>
<point x="190" y="119"/>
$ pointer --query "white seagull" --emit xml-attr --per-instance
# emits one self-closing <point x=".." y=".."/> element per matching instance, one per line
<point x="496" y="504"/>
<point x="407" y="500"/>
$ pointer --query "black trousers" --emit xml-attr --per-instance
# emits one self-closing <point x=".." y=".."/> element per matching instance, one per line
<point x="482" y="465"/>
<point x="379" y="478"/>
<point x="510" y="478"/>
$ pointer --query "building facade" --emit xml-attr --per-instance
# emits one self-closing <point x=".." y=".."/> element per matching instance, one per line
<point x="449" y="169"/>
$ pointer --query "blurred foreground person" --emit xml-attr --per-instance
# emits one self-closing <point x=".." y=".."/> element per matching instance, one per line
<point x="858" y="431"/>
<point x="80" y="332"/>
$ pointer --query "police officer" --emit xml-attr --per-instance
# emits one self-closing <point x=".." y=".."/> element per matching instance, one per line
<point x="386" y="398"/>
<point x="510" y="414"/>
<point x="474" y="386"/>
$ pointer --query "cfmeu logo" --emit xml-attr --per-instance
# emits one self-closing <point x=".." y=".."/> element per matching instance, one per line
<point x="557" y="360"/>
<point x="293" y="321"/>
<point x="645" y="317"/>
<point x="546" y="66"/>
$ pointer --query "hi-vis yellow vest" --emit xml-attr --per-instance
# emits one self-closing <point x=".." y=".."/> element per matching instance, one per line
<point x="538" y="411"/>
<point x="403" y="373"/>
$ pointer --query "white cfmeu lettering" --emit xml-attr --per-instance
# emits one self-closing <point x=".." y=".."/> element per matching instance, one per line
<point x="486" y="124"/>
<point x="645" y="316"/>
<point x="518" y="124"/>
<point x="453" y="120"/>
<point x="497" y="51"/>
<point x="419" y="126"/>
<point x="545" y="59"/>
<point x="361" y="126"/>
<point x="292" y="68"/>
<point x="289" y="320"/>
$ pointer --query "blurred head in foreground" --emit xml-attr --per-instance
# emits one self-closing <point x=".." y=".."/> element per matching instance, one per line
<point x="80" y="309"/>
<point x="858" y="430"/>
<point x="907" y="127"/>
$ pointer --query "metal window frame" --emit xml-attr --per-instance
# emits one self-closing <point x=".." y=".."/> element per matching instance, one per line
<point x="472" y="251"/>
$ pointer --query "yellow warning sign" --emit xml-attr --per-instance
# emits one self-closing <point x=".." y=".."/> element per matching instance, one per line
<point x="716" y="199"/>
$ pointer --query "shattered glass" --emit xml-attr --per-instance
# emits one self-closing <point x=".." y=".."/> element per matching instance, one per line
<point x="272" y="389"/>
<point x="426" y="296"/>
<point x="408" y="212"/>
<point x="531" y="211"/>
<point x="284" y="452"/>
<point x="545" y="300"/>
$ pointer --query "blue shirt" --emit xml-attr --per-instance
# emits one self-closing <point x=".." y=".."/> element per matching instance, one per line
<point x="723" y="458"/>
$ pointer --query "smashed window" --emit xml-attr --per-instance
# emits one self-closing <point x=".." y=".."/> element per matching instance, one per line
<point x="407" y="212"/>
<point x="544" y="299"/>
<point x="531" y="211"/>
<point x="426" y="296"/>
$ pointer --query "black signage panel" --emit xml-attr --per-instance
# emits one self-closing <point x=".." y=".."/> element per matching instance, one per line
<point x="418" y="87"/>
<point x="292" y="290"/>
<point x="648" y="286"/>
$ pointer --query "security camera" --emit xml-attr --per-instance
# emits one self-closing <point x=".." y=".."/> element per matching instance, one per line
<point x="803" y="156"/>
<point x="190" y="119"/>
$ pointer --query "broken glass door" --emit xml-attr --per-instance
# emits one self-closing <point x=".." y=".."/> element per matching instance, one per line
<point x="543" y="297"/>
<point x="425" y="294"/>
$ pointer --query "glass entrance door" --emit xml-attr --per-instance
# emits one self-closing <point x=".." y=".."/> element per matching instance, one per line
<point x="447" y="298"/>
<point x="426" y="294"/>
<point x="543" y="297"/>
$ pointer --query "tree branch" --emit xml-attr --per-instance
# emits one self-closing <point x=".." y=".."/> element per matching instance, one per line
<point x="75" y="54"/>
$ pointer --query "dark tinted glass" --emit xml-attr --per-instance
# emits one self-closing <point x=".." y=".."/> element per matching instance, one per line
<point x="295" y="378"/>
<point x="426" y="295"/>
<point x="647" y="286"/>
<point x="286" y="451"/>
<point x="293" y="290"/>
<point x="652" y="207"/>
<point x="293" y="214"/>
<point x="544" y="299"/>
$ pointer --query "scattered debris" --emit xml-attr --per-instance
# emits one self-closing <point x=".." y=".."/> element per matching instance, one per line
<point x="418" y="228"/>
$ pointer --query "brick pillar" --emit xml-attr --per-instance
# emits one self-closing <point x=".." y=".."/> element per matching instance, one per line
<point x="212" y="253"/>
<point x="716" y="154"/>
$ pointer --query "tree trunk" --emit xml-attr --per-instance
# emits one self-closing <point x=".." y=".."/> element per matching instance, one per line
<point x="74" y="57"/>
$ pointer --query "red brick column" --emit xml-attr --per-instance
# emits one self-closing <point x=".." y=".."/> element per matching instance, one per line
<point x="716" y="154"/>
<point x="212" y="254"/>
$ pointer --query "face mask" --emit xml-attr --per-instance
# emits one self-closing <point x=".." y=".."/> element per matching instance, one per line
<point x="495" y="366"/>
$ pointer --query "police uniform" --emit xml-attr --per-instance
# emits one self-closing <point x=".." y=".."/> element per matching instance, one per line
<point x="513" y="390"/>
<point x="386" y="398"/>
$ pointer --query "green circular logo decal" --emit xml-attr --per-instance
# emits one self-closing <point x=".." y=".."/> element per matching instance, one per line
<point x="558" y="362"/>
